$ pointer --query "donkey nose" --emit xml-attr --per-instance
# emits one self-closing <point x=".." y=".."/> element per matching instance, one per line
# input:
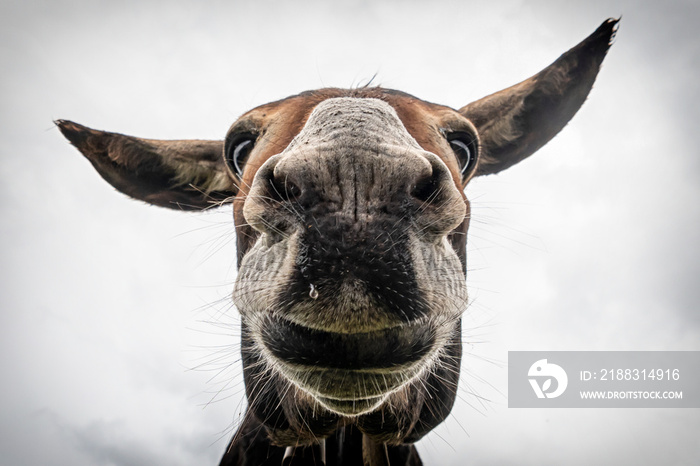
<point x="356" y="186"/>
<point x="349" y="177"/>
<point x="355" y="160"/>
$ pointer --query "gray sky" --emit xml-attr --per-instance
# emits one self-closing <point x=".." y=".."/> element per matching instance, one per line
<point x="118" y="343"/>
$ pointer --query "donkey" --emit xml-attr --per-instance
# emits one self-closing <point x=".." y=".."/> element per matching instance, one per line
<point x="351" y="222"/>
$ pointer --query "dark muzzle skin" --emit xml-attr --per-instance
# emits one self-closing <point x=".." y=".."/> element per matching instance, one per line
<point x="352" y="294"/>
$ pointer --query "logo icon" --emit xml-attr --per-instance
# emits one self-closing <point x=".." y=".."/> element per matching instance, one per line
<point x="541" y="370"/>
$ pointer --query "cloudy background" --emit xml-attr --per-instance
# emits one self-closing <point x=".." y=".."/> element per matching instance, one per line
<point x="118" y="345"/>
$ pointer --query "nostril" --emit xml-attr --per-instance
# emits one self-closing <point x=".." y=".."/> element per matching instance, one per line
<point x="284" y="189"/>
<point x="439" y="205"/>
<point x="427" y="189"/>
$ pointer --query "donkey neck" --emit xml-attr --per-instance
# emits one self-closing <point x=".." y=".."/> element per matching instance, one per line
<point x="346" y="447"/>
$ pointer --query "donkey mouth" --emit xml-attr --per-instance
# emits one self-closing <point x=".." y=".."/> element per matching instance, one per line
<point x="348" y="373"/>
<point x="388" y="348"/>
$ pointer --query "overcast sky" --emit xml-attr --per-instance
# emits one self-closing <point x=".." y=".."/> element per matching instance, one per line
<point x="118" y="343"/>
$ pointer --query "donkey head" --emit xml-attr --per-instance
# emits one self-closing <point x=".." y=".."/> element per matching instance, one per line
<point x="351" y="225"/>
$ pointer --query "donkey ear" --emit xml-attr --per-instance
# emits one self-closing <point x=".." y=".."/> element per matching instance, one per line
<point x="515" y="122"/>
<point x="185" y="175"/>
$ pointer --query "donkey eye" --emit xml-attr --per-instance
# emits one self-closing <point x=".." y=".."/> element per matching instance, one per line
<point x="238" y="152"/>
<point x="463" y="147"/>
